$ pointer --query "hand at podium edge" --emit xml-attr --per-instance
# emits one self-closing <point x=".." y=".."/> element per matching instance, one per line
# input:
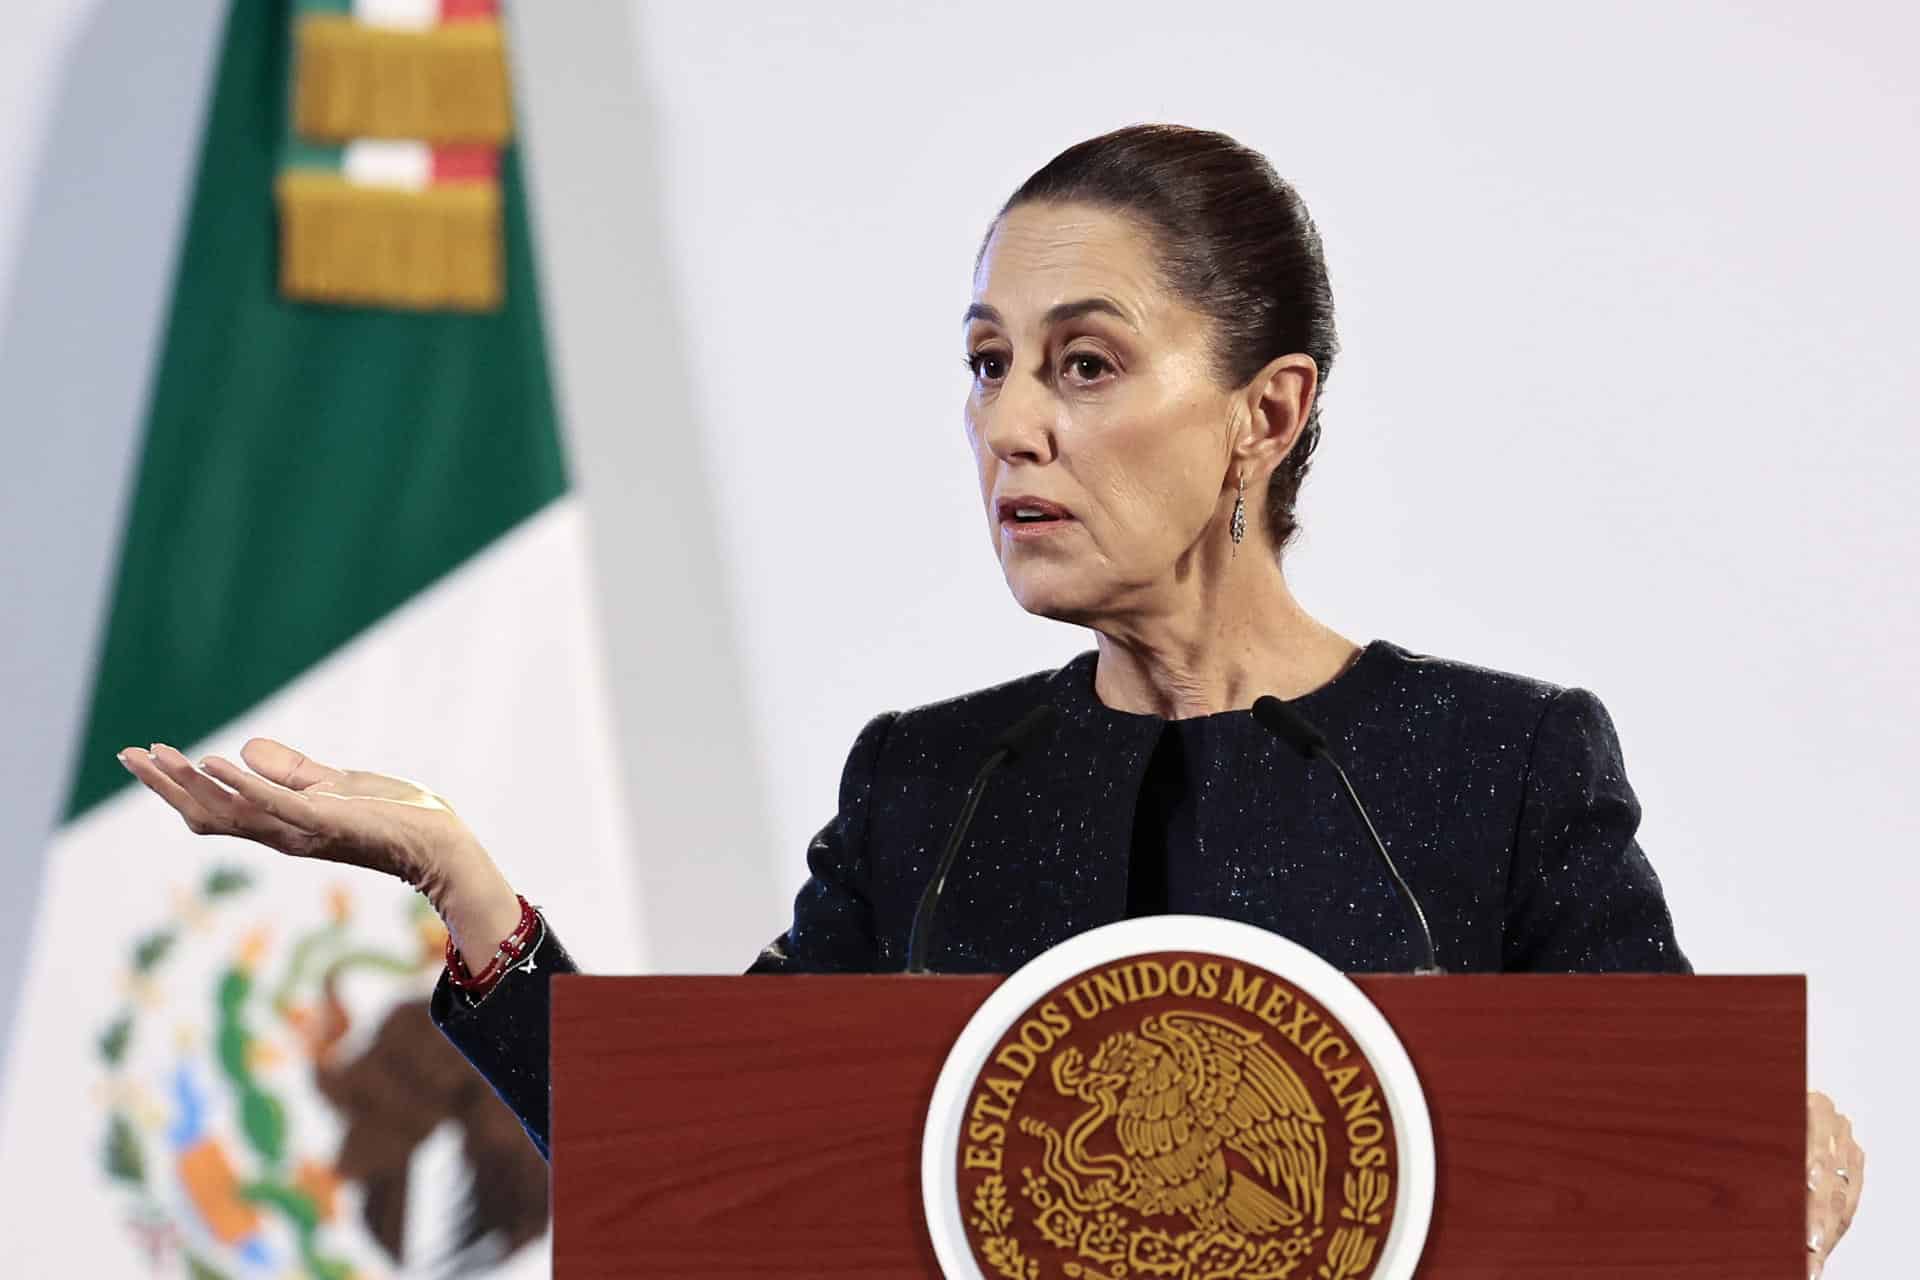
<point x="292" y="803"/>
<point x="1836" y="1169"/>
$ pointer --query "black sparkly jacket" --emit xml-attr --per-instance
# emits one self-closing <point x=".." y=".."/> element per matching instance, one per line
<point x="1502" y="798"/>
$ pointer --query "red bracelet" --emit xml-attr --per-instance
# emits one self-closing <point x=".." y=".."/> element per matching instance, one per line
<point x="504" y="957"/>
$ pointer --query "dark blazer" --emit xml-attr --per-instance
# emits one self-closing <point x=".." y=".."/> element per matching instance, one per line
<point x="1502" y="798"/>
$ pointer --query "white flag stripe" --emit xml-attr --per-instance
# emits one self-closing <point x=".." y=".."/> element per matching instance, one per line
<point x="385" y="162"/>
<point x="487" y="687"/>
<point x="405" y="15"/>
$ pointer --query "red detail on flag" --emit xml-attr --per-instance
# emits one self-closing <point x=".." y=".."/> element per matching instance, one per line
<point x="468" y="10"/>
<point x="466" y="163"/>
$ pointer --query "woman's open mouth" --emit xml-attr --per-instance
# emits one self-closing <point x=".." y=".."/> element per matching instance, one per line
<point x="1025" y="518"/>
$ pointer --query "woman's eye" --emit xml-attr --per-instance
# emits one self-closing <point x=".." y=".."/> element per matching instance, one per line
<point x="1087" y="367"/>
<point x="990" y="365"/>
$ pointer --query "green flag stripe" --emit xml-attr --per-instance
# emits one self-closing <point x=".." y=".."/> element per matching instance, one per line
<point x="305" y="469"/>
<point x="302" y="154"/>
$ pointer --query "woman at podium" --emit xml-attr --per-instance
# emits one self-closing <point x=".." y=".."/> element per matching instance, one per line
<point x="1148" y="336"/>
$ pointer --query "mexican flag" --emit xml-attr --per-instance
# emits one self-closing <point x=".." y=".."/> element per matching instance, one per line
<point x="352" y="530"/>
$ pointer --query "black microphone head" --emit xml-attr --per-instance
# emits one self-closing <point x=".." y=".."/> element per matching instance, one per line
<point x="1288" y="725"/>
<point x="1024" y="731"/>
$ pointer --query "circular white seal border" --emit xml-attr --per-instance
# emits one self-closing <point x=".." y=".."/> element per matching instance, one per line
<point x="1230" y="940"/>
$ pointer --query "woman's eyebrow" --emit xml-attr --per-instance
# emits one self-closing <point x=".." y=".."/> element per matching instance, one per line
<point x="981" y="311"/>
<point x="1056" y="314"/>
<point x="1087" y="306"/>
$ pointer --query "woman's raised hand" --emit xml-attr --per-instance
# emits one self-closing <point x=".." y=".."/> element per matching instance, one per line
<point x="301" y="807"/>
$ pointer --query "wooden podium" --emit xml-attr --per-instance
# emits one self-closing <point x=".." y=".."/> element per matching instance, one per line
<point x="1599" y="1127"/>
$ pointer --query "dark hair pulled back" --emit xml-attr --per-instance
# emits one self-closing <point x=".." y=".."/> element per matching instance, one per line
<point x="1233" y="239"/>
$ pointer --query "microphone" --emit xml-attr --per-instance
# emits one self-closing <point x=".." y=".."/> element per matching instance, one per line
<point x="1291" y="728"/>
<point x="1009" y="744"/>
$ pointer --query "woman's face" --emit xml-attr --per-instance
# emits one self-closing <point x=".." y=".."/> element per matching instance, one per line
<point x="1093" y="397"/>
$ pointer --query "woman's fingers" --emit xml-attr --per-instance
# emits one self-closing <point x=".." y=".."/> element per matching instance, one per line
<point x="282" y="764"/>
<point x="1854" y="1161"/>
<point x="206" y="806"/>
<point x="1836" y="1170"/>
<point x="280" y="802"/>
<point x="140" y="763"/>
<point x="213" y="800"/>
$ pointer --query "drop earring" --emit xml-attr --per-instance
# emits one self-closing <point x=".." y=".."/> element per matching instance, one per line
<point x="1237" y="527"/>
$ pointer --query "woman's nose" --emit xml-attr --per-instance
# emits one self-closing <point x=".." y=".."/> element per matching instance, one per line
<point x="1019" y="425"/>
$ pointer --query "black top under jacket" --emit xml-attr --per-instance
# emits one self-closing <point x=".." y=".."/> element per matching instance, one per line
<point x="1502" y="798"/>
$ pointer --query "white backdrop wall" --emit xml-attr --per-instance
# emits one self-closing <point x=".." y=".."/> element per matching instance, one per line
<point x="1626" y="400"/>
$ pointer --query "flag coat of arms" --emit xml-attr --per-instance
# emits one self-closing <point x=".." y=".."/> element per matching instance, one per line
<point x="352" y="529"/>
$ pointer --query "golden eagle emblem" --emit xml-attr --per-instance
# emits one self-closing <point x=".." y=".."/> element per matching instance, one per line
<point x="1180" y="1093"/>
<point x="1176" y="1116"/>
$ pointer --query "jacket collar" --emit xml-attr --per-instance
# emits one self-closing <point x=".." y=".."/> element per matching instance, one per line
<point x="1070" y="689"/>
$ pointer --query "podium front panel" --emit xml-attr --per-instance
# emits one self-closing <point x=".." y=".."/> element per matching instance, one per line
<point x="1588" y="1127"/>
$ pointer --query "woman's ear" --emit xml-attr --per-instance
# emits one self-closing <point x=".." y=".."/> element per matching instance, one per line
<point x="1278" y="400"/>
